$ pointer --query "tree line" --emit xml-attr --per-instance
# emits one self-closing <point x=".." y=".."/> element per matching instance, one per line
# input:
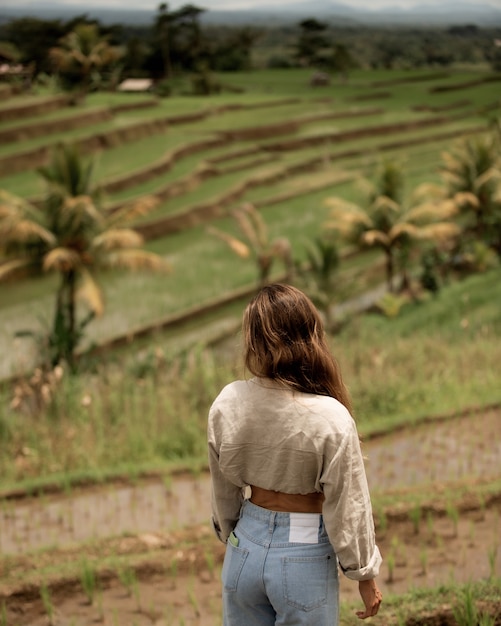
<point x="179" y="42"/>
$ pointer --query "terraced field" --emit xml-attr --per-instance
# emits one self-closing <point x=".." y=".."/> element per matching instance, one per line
<point x="285" y="147"/>
<point x="279" y="144"/>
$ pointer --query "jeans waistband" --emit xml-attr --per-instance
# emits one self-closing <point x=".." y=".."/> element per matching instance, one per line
<point x="279" y="518"/>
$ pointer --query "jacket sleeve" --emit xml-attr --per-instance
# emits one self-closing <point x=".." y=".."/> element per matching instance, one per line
<point x="226" y="497"/>
<point x="347" y="508"/>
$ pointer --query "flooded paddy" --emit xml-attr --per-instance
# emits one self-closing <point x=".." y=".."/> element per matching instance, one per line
<point x="444" y="452"/>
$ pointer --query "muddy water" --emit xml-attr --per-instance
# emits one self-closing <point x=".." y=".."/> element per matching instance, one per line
<point x="443" y="452"/>
<point x="448" y="451"/>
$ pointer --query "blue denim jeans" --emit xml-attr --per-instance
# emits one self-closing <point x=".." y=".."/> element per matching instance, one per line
<point x="282" y="572"/>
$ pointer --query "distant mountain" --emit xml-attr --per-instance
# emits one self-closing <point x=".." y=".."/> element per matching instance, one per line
<point x="443" y="13"/>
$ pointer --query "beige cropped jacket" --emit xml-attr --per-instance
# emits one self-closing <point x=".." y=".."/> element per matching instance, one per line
<point x="262" y="433"/>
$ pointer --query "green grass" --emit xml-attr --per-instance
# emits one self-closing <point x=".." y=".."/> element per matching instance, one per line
<point x="21" y="100"/>
<point x="61" y="114"/>
<point x="432" y="604"/>
<point x="422" y="364"/>
<point x="203" y="267"/>
<point x="151" y="398"/>
<point x="71" y="135"/>
<point x="437" y="357"/>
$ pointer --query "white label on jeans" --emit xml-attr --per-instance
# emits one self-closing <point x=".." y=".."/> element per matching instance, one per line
<point x="304" y="527"/>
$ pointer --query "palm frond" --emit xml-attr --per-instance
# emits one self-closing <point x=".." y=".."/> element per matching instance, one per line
<point x="431" y="212"/>
<point x="347" y="219"/>
<point x="492" y="174"/>
<point x="374" y="237"/>
<point x="340" y="206"/>
<point x="428" y="191"/>
<point x="9" y="268"/>
<point x="450" y="161"/>
<point x="385" y="203"/>
<point x="258" y="223"/>
<point x="135" y="260"/>
<point x="67" y="173"/>
<point x="10" y="204"/>
<point x="25" y="232"/>
<point x="238" y="247"/>
<point x="366" y="187"/>
<point x="446" y="209"/>
<point x="61" y="260"/>
<point x="79" y="57"/>
<point x="465" y="199"/>
<point x="59" y="58"/>
<point x="453" y="180"/>
<point x="130" y="212"/>
<point x="349" y="222"/>
<point x="82" y="208"/>
<point x="405" y="228"/>
<point x="246" y="228"/>
<point x="15" y="208"/>
<point x="117" y="238"/>
<point x="441" y="232"/>
<point x="90" y="293"/>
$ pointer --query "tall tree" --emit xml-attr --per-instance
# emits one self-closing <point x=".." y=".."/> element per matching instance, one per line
<point x="179" y="38"/>
<point x="312" y="43"/>
<point x="189" y="38"/>
<point x="385" y="221"/>
<point x="34" y="38"/>
<point x="72" y="236"/>
<point x="256" y="242"/>
<point x="229" y="49"/>
<point x="472" y="174"/>
<point x="81" y="57"/>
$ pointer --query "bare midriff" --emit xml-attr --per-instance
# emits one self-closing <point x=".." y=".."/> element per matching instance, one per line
<point x="287" y="502"/>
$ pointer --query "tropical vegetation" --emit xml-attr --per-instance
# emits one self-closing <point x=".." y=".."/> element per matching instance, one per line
<point x="258" y="243"/>
<point x="471" y="172"/>
<point x="257" y="167"/>
<point x="180" y="41"/>
<point x="71" y="235"/>
<point x="387" y="222"/>
<point x="81" y="58"/>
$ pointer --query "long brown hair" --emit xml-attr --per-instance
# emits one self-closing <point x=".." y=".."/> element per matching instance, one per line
<point x="284" y="339"/>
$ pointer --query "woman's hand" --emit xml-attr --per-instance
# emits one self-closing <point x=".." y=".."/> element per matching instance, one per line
<point x="371" y="596"/>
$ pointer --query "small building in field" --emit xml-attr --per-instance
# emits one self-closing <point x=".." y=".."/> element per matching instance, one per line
<point x="136" y="85"/>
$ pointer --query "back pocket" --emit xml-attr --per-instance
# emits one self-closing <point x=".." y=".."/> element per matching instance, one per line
<point x="306" y="580"/>
<point x="234" y="560"/>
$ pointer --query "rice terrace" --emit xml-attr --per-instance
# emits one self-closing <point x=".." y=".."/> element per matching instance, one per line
<point x="378" y="192"/>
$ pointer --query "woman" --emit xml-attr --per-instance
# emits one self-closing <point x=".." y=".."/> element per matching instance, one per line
<point x="288" y="435"/>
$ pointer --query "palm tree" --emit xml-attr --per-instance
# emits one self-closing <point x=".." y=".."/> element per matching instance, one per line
<point x="264" y="250"/>
<point x="384" y="221"/>
<point x="71" y="235"/>
<point x="80" y="57"/>
<point x="472" y="174"/>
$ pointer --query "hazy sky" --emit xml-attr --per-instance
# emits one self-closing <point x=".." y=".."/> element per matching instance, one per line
<point x="236" y="4"/>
